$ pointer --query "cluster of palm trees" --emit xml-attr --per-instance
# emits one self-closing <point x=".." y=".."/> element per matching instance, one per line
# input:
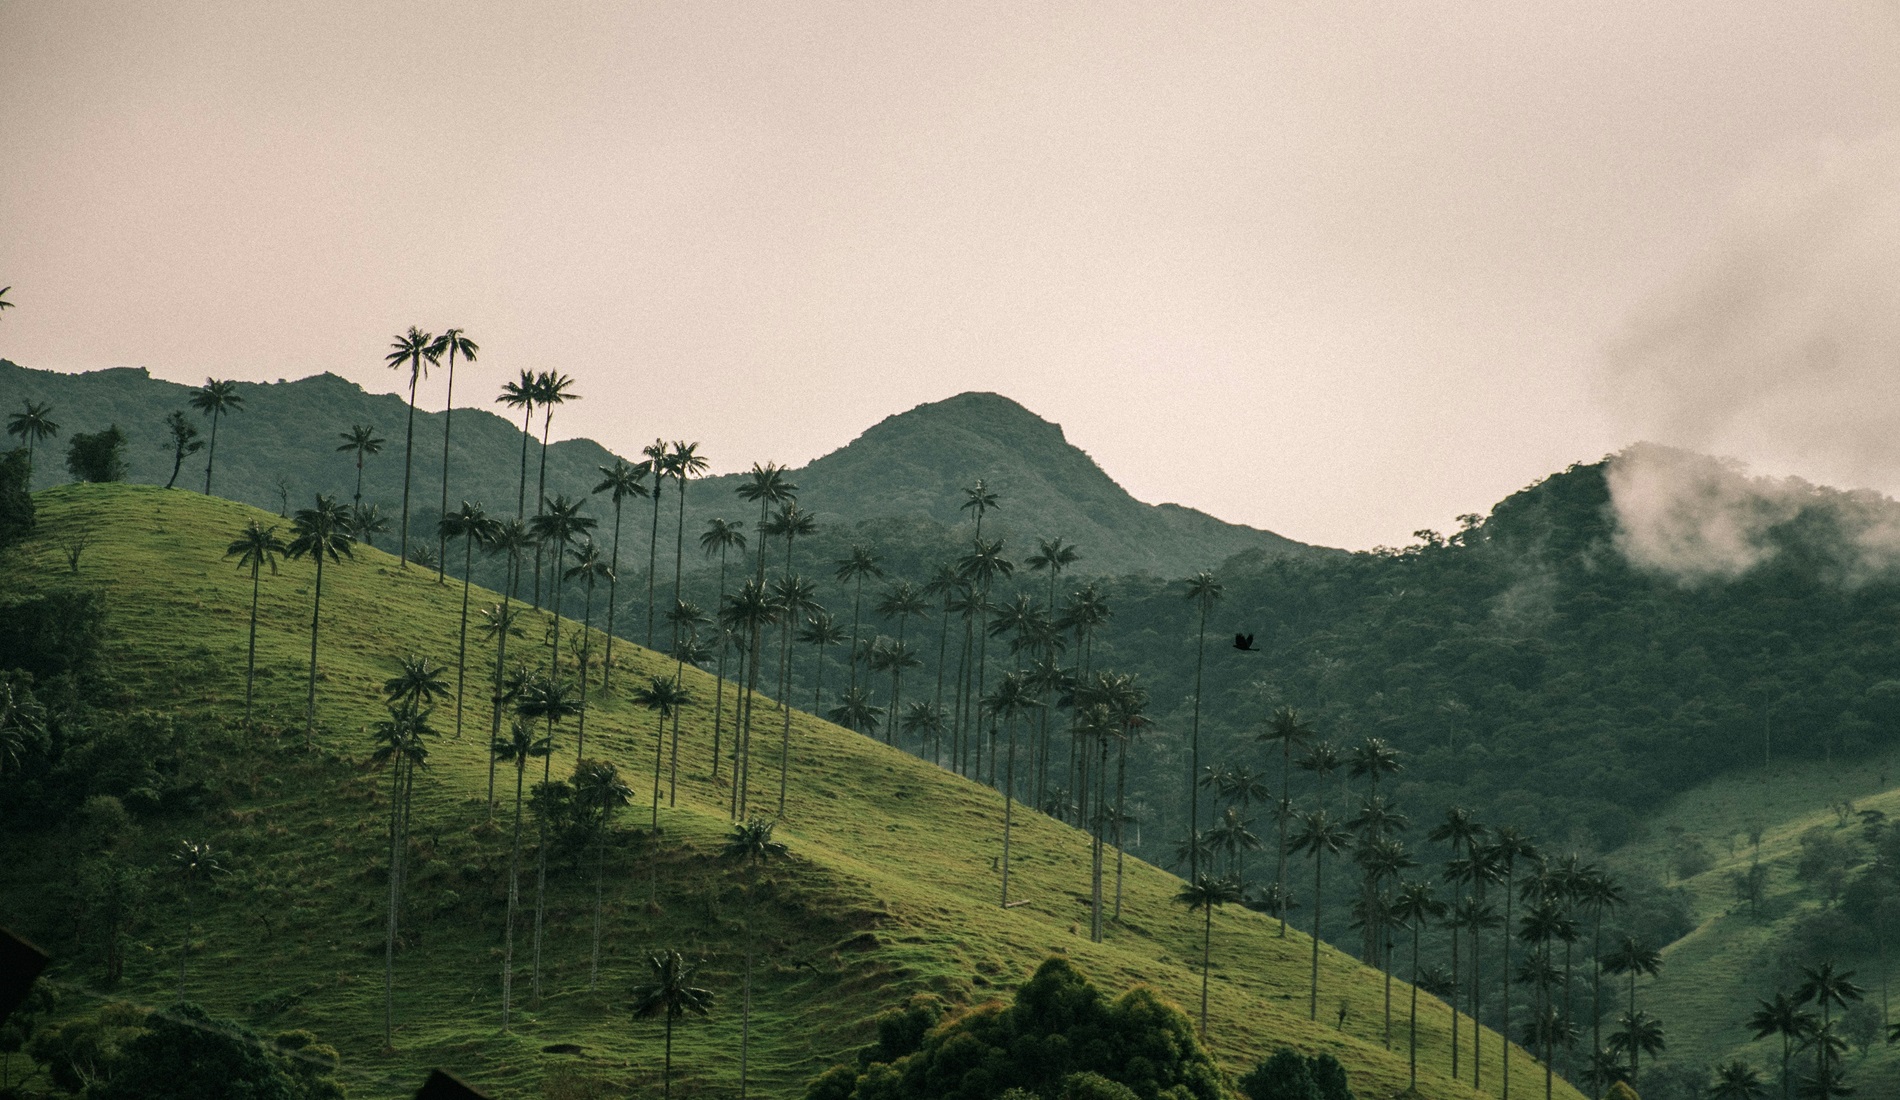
<point x="1789" y="1017"/>
<point x="34" y="425"/>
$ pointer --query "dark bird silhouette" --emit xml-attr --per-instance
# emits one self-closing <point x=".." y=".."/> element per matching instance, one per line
<point x="1244" y="643"/>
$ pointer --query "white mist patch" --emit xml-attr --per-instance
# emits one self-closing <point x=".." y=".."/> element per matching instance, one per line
<point x="1699" y="518"/>
<point x="1780" y="342"/>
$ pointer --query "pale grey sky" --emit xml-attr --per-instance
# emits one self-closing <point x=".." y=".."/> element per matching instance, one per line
<point x="1342" y="270"/>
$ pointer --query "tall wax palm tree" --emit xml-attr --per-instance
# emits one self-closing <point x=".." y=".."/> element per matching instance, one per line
<point x="1414" y="908"/>
<point x="401" y="748"/>
<point x="360" y="440"/>
<point x="1599" y="893"/>
<point x="499" y="622"/>
<point x="1373" y="759"/>
<point x="1634" y="957"/>
<point x="1052" y="555"/>
<point x="748" y="612"/>
<point x="366" y="522"/>
<point x="317" y="533"/>
<point x="1509" y="846"/>
<point x="659" y="464"/>
<point x="521" y="394"/>
<point x="414" y="348"/>
<point x="544" y="698"/>
<point x="1320" y="835"/>
<point x="554" y="529"/>
<point x="598" y="792"/>
<point x="1478" y="869"/>
<point x="750" y="843"/>
<point x="859" y="564"/>
<point x="896" y="658"/>
<point x="978" y="498"/>
<point x="984" y="564"/>
<point x="1203" y="591"/>
<point x="518" y="748"/>
<point x="946" y="585"/>
<point x="663" y="696"/>
<point x="588" y="567"/>
<point x="1637" y="1033"/>
<point x="1232" y="836"/>
<point x="1467" y="914"/>
<point x="901" y="601"/>
<point x="1544" y="922"/>
<point x="796" y="598"/>
<point x="34" y="425"/>
<point x="1322" y="759"/>
<point x="1827" y="987"/>
<point x="719" y="538"/>
<point x="671" y="995"/>
<point x="551" y="388"/>
<point x="1462" y="832"/>
<point x="1785" y="1017"/>
<point x="925" y="723"/>
<point x="215" y="399"/>
<point x="683" y="462"/>
<point x="194" y="861"/>
<point x="1011" y="700"/>
<point x="1287" y="729"/>
<point x="1207" y="893"/>
<point x="820" y="630"/>
<point x="256" y="548"/>
<point x="510" y="540"/>
<point x="472" y="525"/>
<point x="621" y="482"/>
<point x="685" y="616"/>
<point x="452" y="343"/>
<point x="1737" y="1081"/>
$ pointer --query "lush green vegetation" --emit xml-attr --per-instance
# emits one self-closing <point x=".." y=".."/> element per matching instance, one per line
<point x="887" y="889"/>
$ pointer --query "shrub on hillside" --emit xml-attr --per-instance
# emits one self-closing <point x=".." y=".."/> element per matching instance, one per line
<point x="1288" y="1075"/>
<point x="1060" y="1039"/>
<point x="97" y="456"/>
<point x="51" y="635"/>
<point x="16" y="504"/>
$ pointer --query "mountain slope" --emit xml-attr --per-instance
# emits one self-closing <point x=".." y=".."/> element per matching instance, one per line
<point x="890" y="890"/>
<point x="910" y="466"/>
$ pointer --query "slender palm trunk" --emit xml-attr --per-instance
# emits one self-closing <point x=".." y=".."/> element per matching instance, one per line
<point x="1009" y="806"/>
<point x="719" y="685"/>
<point x="613" y="599"/>
<point x="514" y="902"/>
<point x="653" y="549"/>
<point x="1454" y="1003"/>
<point x="1412" y="1021"/>
<point x="442" y="538"/>
<point x="785" y="705"/>
<point x="1312" y="1004"/>
<point x="250" y="659"/>
<point x="211" y="454"/>
<point x="1505" y="1032"/>
<point x="673" y="767"/>
<point x="857" y="603"/>
<point x="659" y="756"/>
<point x="1121" y="806"/>
<point x="395" y="888"/>
<point x="540" y="506"/>
<point x="184" y="952"/>
<point x="540" y="892"/>
<point x="1194" y="757"/>
<point x="1477" y="1004"/>
<point x="461" y="644"/>
<point x="943" y="647"/>
<point x="745" y="1011"/>
<point x="1207" y="954"/>
<point x="316" y="611"/>
<point x="738" y="729"/>
<point x="587" y="644"/>
<point x="521" y="492"/>
<point x="358" y="498"/>
<point x="408" y="459"/>
<point x="666" y="1075"/>
<point x="501" y="659"/>
<point x="679" y="553"/>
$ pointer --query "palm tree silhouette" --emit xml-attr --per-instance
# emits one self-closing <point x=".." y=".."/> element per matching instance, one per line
<point x="317" y="533"/>
<point x="983" y="565"/>
<point x="472" y="525"/>
<point x="35" y="424"/>
<point x="588" y="567"/>
<point x="1290" y="731"/>
<point x="855" y="712"/>
<point x="823" y="631"/>
<point x="747" y="612"/>
<point x="521" y="394"/>
<point x="856" y="566"/>
<point x="1322" y="759"/>
<point x="750" y="843"/>
<point x="1462" y="832"/>
<point x="452" y="342"/>
<point x="399" y="746"/>
<point x="686" y="616"/>
<point x="683" y="463"/>
<point x="795" y="597"/>
<point x="1825" y="986"/>
<point x="551" y="388"/>
<point x="949" y="586"/>
<point x="1599" y="893"/>
<point x="366" y="522"/>
<point x="518" y="748"/>
<point x="900" y="601"/>
<point x="1373" y="759"/>
<point x="978" y="498"/>
<point x="1737" y="1081"/>
<point x="554" y="528"/>
<point x="193" y="860"/>
<point x="499" y="622"/>
<point x="620" y="481"/>
<point x="414" y="348"/>
<point x="4" y="304"/>
<point x="1634" y="957"/>
<point x="1415" y="907"/>
<point x="1508" y="846"/>
<point x="658" y="463"/>
<point x="1011" y="700"/>
<point x="1203" y="591"/>
<point x="1637" y="1033"/>
<point x="543" y="697"/>
<point x="185" y="441"/>
<point x="1207" y="893"/>
<point x="1785" y="1017"/>
<point x="662" y="695"/>
<point x="671" y="995"/>
<point x="360" y="440"/>
<point x="256" y="548"/>
<point x="721" y="536"/>
<point x="1319" y="834"/>
<point x="599" y="792"/>
<point x="215" y="399"/>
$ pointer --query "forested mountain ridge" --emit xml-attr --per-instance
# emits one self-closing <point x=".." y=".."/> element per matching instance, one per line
<point x="910" y="467"/>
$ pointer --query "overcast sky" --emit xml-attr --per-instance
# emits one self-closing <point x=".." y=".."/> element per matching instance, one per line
<point x="1342" y="270"/>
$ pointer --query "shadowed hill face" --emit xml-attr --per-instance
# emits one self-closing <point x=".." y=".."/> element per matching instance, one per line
<point x="914" y="465"/>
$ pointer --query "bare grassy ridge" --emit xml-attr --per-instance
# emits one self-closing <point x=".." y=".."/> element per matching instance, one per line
<point x="890" y="891"/>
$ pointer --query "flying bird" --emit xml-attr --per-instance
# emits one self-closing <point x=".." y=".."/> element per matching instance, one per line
<point x="1244" y="643"/>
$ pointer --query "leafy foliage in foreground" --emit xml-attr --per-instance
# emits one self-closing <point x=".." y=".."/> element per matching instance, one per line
<point x="1060" y="1027"/>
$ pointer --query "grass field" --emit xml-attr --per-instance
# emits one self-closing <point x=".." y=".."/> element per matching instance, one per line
<point x="891" y="888"/>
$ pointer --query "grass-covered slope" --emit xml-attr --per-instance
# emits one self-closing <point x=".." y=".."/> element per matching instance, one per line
<point x="891" y="888"/>
<point x="1739" y="954"/>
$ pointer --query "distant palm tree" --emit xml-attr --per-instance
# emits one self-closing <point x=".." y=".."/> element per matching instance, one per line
<point x="1286" y="728"/>
<point x="365" y="523"/>
<point x="1599" y="893"/>
<point x="685" y="616"/>
<point x="586" y="566"/>
<point x="4" y="304"/>
<point x="472" y="525"/>
<point x="621" y="482"/>
<point x="360" y="440"/>
<point x="901" y="601"/>
<point x="599" y="792"/>
<point x="543" y="698"/>
<point x="750" y="843"/>
<point x="670" y="995"/>
<point x="1634" y="957"/>
<point x="1372" y="759"/>
<point x="317" y="533"/>
<point x="1462" y="832"/>
<point x="855" y="712"/>
<point x="400" y="747"/>
<point x="978" y="498"/>
<point x="823" y="631"/>
<point x="554" y="528"/>
<point x="34" y="425"/>
<point x="1319" y="834"/>
<point x="185" y="442"/>
<point x="984" y="565"/>
<point x="1203" y="591"/>
<point x="683" y="463"/>
<point x="214" y="399"/>
<point x="663" y="696"/>
<point x="551" y="388"/>
<point x="414" y="348"/>
<point x="193" y="861"/>
<point x="1415" y="907"/>
<point x="517" y="749"/>
<point x="720" y="537"/>
<point x="747" y="613"/>
<point x="1010" y="701"/>
<point x="451" y="342"/>
<point x="1784" y="1017"/>
<point x="520" y="394"/>
<point x="1825" y="986"/>
<point x="861" y="563"/>
<point x="658" y="462"/>
<point x="1637" y="1033"/>
<point x="1508" y="846"/>
<point x="1737" y="1081"/>
<point x="1206" y="893"/>
<point x="255" y="548"/>
<point x="500" y="622"/>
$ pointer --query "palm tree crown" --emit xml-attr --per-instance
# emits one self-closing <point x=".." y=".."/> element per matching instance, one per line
<point x="214" y="399"/>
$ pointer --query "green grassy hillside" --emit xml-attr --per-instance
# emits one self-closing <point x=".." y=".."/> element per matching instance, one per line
<point x="1739" y="954"/>
<point x="891" y="890"/>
